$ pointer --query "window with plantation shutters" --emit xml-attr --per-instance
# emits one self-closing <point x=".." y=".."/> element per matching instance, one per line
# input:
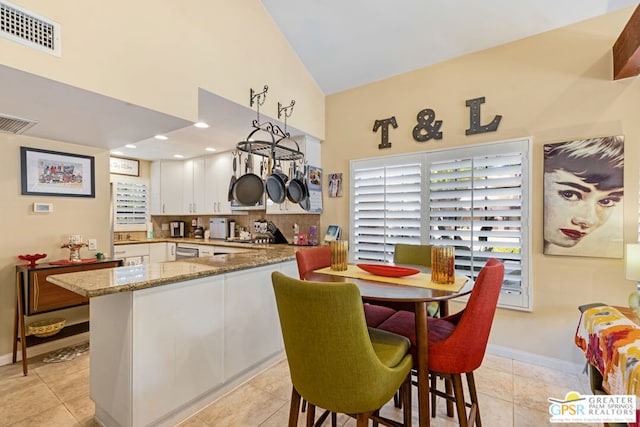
<point x="473" y="198"/>
<point x="130" y="206"/>
<point x="478" y="204"/>
<point x="386" y="202"/>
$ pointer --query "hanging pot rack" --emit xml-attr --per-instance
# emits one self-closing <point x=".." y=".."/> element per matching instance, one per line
<point x="275" y="146"/>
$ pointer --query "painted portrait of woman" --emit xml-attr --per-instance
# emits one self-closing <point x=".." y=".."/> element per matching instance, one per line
<point x="583" y="194"/>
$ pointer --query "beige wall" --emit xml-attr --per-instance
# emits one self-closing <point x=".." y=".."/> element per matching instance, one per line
<point x="157" y="54"/>
<point x="553" y="87"/>
<point x="152" y="54"/>
<point x="26" y="232"/>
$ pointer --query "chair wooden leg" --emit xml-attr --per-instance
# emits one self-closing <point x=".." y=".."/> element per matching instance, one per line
<point x="434" y="385"/>
<point x="397" y="402"/>
<point x="362" y="419"/>
<point x="304" y="405"/>
<point x="406" y="401"/>
<point x="334" y="419"/>
<point x="294" y="408"/>
<point x="311" y="414"/>
<point x="458" y="393"/>
<point x="448" y="388"/>
<point x="475" y="408"/>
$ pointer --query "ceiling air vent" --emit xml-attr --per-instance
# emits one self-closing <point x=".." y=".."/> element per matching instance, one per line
<point x="11" y="124"/>
<point x="28" y="28"/>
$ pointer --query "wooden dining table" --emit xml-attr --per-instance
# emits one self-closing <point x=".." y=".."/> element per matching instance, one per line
<point x="394" y="291"/>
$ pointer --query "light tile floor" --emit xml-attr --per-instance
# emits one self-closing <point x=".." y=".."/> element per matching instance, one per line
<point x="511" y="393"/>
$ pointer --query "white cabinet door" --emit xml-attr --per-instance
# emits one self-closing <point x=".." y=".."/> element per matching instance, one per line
<point x="159" y="252"/>
<point x="167" y="177"/>
<point x="252" y="329"/>
<point x="194" y="187"/>
<point x="217" y="171"/>
<point x="178" y="337"/>
<point x="124" y="251"/>
<point x="205" y="251"/>
<point x="171" y="251"/>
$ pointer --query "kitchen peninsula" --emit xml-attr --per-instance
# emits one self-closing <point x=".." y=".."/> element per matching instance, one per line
<point x="168" y="338"/>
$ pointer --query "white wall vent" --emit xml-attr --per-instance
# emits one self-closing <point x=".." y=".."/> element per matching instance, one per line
<point x="28" y="28"/>
<point x="16" y="125"/>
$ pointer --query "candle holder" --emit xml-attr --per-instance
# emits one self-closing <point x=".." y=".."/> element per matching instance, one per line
<point x="339" y="254"/>
<point x="443" y="264"/>
<point x="74" y="250"/>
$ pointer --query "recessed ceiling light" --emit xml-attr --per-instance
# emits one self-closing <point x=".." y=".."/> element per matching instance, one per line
<point x="178" y="156"/>
<point x="162" y="137"/>
<point x="117" y="153"/>
<point x="210" y="149"/>
<point x="201" y="125"/>
<point x="130" y="146"/>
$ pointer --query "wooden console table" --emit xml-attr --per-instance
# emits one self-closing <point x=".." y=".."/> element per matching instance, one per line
<point x="34" y="295"/>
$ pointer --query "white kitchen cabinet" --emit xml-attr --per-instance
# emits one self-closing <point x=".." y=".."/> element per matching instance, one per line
<point x="193" y="195"/>
<point x="205" y="250"/>
<point x="167" y="178"/>
<point x="217" y="171"/>
<point x="162" y="252"/>
<point x="252" y="328"/>
<point x="169" y="343"/>
<point x="161" y="353"/>
<point x="132" y="254"/>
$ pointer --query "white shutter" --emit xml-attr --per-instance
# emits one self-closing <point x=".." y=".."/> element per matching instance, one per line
<point x="130" y="206"/>
<point x="386" y="207"/>
<point x="475" y="198"/>
<point x="476" y="204"/>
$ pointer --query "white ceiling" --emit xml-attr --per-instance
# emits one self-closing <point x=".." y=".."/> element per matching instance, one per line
<point x="343" y="43"/>
<point x="348" y="43"/>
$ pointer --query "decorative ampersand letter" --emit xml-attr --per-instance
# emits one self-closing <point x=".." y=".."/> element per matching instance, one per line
<point x="427" y="128"/>
<point x="474" y="120"/>
<point x="384" y="143"/>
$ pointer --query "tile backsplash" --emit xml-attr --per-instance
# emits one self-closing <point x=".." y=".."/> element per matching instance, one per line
<point x="283" y="221"/>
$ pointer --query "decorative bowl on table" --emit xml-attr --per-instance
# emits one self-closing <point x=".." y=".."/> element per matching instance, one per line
<point x="32" y="258"/>
<point x="388" y="270"/>
<point x="46" y="328"/>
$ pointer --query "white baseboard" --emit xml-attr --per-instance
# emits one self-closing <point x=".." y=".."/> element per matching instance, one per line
<point x="496" y="350"/>
<point x="47" y="347"/>
<point x="535" y="359"/>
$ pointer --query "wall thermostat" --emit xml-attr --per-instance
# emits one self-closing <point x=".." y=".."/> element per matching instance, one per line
<point x="43" y="207"/>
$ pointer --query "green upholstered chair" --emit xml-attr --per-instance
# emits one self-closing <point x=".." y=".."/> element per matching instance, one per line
<point x="412" y="254"/>
<point x="416" y="255"/>
<point x="335" y="361"/>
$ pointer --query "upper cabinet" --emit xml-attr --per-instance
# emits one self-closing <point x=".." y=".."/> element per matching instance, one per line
<point x="194" y="184"/>
<point x="218" y="172"/>
<point x="167" y="185"/>
<point x="200" y="186"/>
<point x="192" y="187"/>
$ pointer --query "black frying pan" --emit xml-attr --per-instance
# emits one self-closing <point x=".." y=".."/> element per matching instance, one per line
<point x="249" y="188"/>
<point x="296" y="190"/>
<point x="276" y="186"/>
<point x="305" y="203"/>
<point x="234" y="178"/>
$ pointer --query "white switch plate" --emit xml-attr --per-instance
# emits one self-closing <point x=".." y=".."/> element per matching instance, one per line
<point x="93" y="244"/>
<point x="75" y="238"/>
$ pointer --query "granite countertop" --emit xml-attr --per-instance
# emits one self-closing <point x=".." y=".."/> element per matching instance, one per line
<point x="210" y="242"/>
<point x="95" y="283"/>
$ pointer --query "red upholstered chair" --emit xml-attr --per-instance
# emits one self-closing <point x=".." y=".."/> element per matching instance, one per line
<point x="314" y="258"/>
<point x="457" y="343"/>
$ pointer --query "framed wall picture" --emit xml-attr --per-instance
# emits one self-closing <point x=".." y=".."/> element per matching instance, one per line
<point x="122" y="166"/>
<point x="583" y="197"/>
<point x="52" y="173"/>
<point x="335" y="184"/>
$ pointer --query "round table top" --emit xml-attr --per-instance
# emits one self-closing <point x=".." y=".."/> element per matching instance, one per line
<point x="381" y="291"/>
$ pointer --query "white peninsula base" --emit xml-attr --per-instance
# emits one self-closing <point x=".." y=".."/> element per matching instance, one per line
<point x="160" y="354"/>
